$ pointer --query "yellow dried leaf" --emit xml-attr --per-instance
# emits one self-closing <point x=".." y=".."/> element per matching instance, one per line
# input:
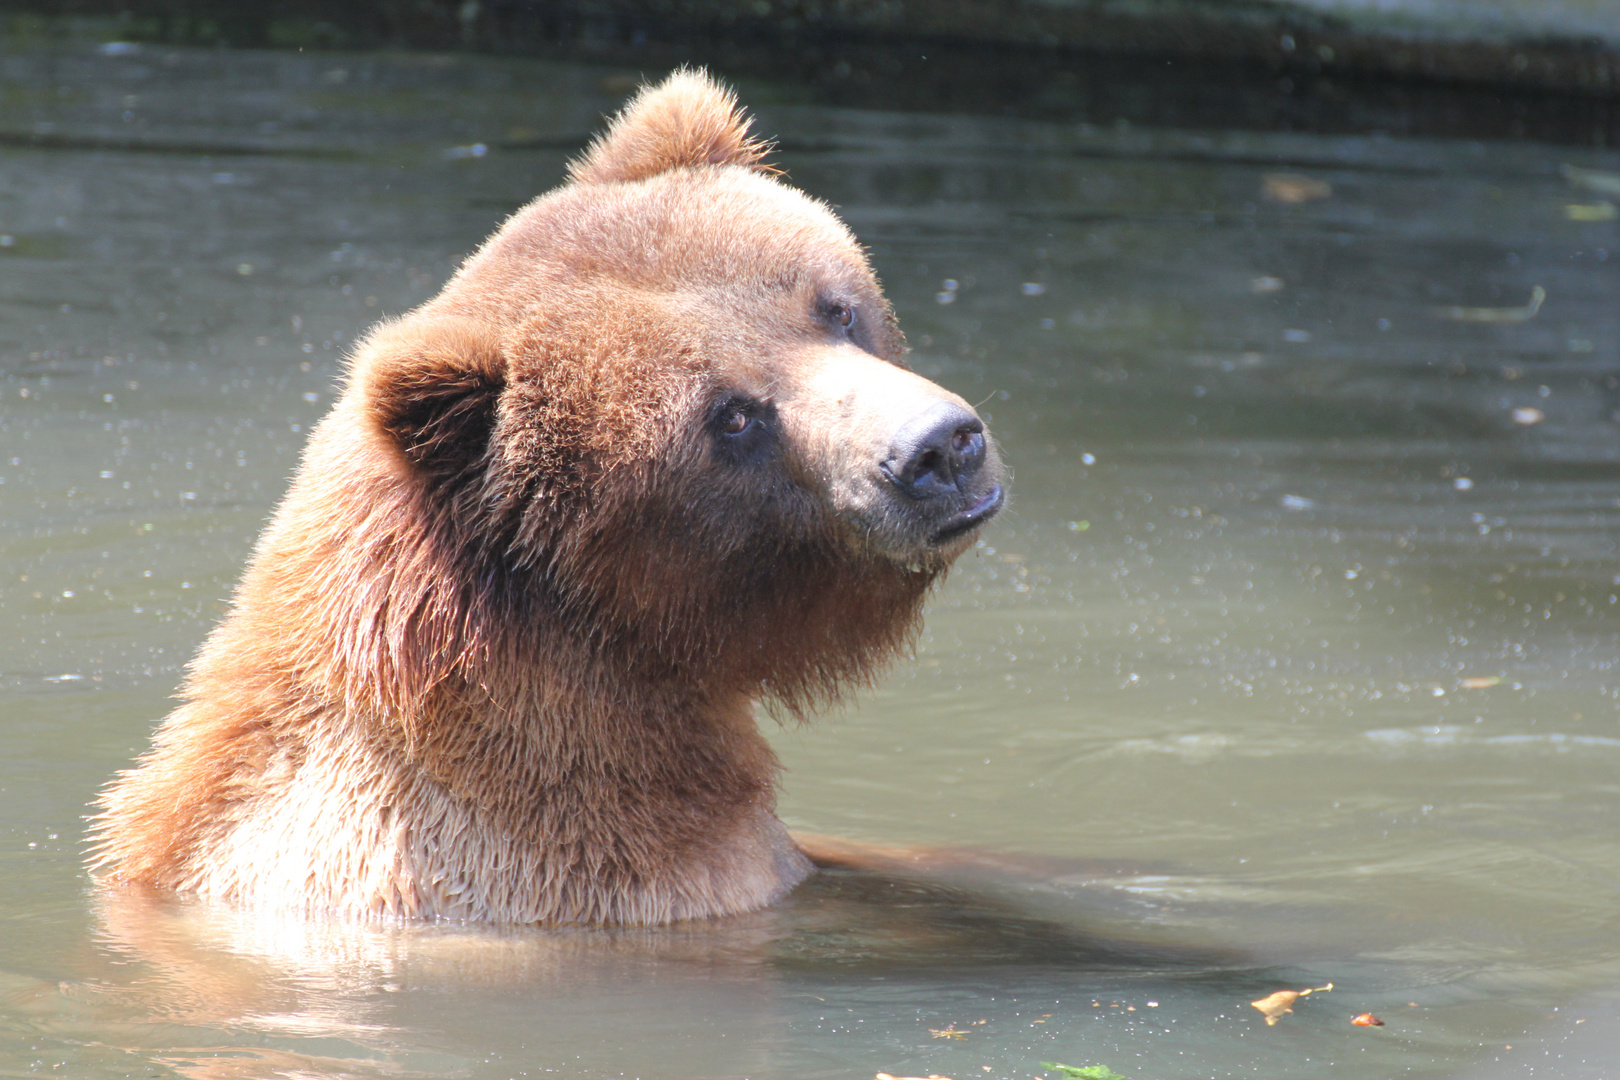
<point x="1275" y="1006"/>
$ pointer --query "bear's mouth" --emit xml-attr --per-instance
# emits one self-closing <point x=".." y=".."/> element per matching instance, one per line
<point x="977" y="513"/>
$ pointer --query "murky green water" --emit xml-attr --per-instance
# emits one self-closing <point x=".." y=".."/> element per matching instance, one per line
<point x="1292" y="662"/>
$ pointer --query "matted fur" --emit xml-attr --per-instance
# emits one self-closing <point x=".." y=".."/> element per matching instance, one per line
<point x="497" y="653"/>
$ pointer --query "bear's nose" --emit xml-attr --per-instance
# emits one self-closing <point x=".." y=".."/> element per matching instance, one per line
<point x="933" y="452"/>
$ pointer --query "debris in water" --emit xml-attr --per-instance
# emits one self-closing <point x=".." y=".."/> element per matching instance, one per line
<point x="1366" y="1020"/>
<point x="1479" y="682"/>
<point x="1275" y="1006"/>
<point x="1296" y="502"/>
<point x="1603" y="211"/>
<point x="1496" y="314"/>
<point x="1083" y="1072"/>
<point x="1293" y="188"/>
<point x="950" y="1032"/>
<point x="930" y="1076"/>
<point x="1528" y="415"/>
<point x="1266" y="284"/>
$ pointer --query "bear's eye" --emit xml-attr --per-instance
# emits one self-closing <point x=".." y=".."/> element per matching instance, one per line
<point x="839" y="314"/>
<point x="743" y="430"/>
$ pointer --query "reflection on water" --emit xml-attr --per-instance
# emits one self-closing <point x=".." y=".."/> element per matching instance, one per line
<point x="1292" y="661"/>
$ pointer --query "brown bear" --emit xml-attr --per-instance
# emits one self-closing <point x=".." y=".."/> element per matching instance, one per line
<point x="652" y="456"/>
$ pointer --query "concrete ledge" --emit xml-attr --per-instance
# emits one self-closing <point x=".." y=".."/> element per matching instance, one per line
<point x="1565" y="47"/>
<point x="1561" y="45"/>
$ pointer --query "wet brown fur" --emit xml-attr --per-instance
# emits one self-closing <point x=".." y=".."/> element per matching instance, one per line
<point x="496" y="654"/>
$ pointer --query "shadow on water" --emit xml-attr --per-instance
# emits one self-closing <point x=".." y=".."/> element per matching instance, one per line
<point x="836" y="923"/>
<point x="213" y="993"/>
<point x="855" y="919"/>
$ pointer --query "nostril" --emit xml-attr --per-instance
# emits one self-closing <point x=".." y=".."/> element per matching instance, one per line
<point x="932" y="452"/>
<point x="929" y="462"/>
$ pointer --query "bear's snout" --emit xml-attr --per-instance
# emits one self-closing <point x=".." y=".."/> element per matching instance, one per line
<point x="937" y="463"/>
<point x="936" y="453"/>
<point x="908" y="464"/>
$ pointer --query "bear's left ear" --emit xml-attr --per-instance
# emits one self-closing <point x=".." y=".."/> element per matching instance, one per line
<point x="684" y="121"/>
<point x="433" y="387"/>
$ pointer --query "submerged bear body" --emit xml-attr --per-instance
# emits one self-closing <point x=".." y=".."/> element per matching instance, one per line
<point x="652" y="456"/>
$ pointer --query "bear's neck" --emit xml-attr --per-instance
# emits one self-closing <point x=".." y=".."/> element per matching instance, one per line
<point x="552" y="760"/>
<point x="602" y="806"/>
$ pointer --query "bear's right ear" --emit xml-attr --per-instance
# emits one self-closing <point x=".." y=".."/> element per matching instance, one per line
<point x="433" y="387"/>
<point x="685" y="121"/>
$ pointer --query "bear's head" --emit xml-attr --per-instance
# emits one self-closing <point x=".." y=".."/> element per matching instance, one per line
<point x="664" y="417"/>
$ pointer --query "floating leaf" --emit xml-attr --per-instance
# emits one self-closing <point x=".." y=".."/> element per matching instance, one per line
<point x="1277" y="1005"/>
<point x="948" y="1033"/>
<point x="1496" y="314"/>
<point x="1366" y="1020"/>
<point x="1479" y="682"/>
<point x="1083" y="1072"/>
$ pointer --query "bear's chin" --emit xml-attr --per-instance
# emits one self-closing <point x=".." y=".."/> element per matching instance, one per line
<point x="925" y="544"/>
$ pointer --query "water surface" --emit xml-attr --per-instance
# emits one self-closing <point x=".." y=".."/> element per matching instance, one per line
<point x="1292" y="661"/>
